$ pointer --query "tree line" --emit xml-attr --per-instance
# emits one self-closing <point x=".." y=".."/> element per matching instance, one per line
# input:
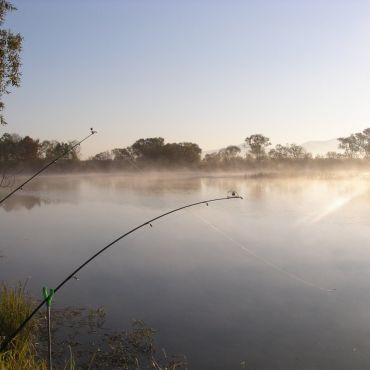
<point x="156" y="152"/>
<point x="15" y="148"/>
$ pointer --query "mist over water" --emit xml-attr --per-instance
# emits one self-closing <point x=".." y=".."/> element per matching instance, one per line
<point x="279" y="279"/>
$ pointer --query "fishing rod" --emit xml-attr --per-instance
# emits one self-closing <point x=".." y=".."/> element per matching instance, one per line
<point x="47" y="166"/>
<point x="7" y="341"/>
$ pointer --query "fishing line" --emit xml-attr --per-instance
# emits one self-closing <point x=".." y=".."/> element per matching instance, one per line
<point x="20" y="187"/>
<point x="262" y="259"/>
<point x="6" y="342"/>
<point x="355" y="348"/>
<point x="133" y="164"/>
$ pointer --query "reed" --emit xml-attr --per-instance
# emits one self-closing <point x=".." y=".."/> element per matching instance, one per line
<point x="132" y="349"/>
<point x="15" y="306"/>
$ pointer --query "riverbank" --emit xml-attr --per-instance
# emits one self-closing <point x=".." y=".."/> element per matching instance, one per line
<point x="131" y="349"/>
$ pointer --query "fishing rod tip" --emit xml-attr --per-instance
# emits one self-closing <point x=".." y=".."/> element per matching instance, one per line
<point x="234" y="197"/>
<point x="233" y="194"/>
<point x="93" y="131"/>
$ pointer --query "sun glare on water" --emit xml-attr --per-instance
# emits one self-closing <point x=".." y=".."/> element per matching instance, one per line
<point x="334" y="206"/>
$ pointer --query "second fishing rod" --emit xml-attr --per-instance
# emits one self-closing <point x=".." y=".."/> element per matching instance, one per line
<point x="42" y="169"/>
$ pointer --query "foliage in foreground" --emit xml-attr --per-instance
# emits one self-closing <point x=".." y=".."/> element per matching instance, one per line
<point x="10" y="63"/>
<point x="15" y="306"/>
<point x="132" y="349"/>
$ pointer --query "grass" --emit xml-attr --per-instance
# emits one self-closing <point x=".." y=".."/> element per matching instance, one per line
<point x="129" y="350"/>
<point x="15" y="306"/>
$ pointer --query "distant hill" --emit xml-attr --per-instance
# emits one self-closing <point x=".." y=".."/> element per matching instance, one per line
<point x="322" y="147"/>
<point x="243" y="150"/>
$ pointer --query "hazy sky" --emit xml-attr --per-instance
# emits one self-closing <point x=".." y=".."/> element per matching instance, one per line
<point x="211" y="72"/>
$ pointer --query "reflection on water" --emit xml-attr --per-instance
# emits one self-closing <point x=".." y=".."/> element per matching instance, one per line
<point x="235" y="281"/>
<point x="25" y="201"/>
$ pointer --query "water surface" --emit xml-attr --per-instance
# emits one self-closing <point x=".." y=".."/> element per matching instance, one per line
<point x="280" y="280"/>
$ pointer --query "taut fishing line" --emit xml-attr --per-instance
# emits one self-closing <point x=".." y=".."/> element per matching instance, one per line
<point x="253" y="254"/>
<point x="355" y="347"/>
<point x="262" y="259"/>
<point x="7" y="341"/>
<point x="20" y="187"/>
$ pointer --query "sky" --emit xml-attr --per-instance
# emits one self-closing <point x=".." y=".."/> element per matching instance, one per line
<point x="206" y="71"/>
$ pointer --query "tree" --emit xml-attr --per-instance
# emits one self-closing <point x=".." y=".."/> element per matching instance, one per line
<point x="225" y="155"/>
<point x="257" y="145"/>
<point x="28" y="149"/>
<point x="10" y="48"/>
<point x="120" y="154"/>
<point x="9" y="147"/>
<point x="349" y="145"/>
<point x="103" y="156"/>
<point x="149" y="149"/>
<point x="366" y="145"/>
<point x="52" y="149"/>
<point x="279" y="152"/>
<point x="298" y="152"/>
<point x="46" y="149"/>
<point x="356" y="145"/>
<point x="181" y="153"/>
<point x="212" y="158"/>
<point x="231" y="152"/>
<point x="289" y="151"/>
<point x="155" y="150"/>
<point x="334" y="155"/>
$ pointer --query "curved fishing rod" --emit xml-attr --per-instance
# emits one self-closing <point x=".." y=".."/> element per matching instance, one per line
<point x="46" y="166"/>
<point x="7" y="341"/>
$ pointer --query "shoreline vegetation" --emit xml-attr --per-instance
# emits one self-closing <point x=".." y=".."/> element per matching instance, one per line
<point x="106" y="349"/>
<point x="20" y="155"/>
<point x="15" y="306"/>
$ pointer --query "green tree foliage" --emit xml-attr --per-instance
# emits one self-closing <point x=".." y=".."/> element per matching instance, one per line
<point x="123" y="154"/>
<point x="356" y="145"/>
<point x="15" y="148"/>
<point x="229" y="153"/>
<point x="27" y="149"/>
<point x="297" y="152"/>
<point x="257" y="145"/>
<point x="51" y="149"/>
<point x="279" y="152"/>
<point x="103" y="156"/>
<point x="212" y="159"/>
<point x="149" y="149"/>
<point x="350" y="145"/>
<point x="181" y="153"/>
<point x="289" y="151"/>
<point x="10" y="48"/>
<point x="154" y="150"/>
<point x="366" y="142"/>
<point x="8" y="147"/>
<point x="334" y="155"/>
<point x="224" y="157"/>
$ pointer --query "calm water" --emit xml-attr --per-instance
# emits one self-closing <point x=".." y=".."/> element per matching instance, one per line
<point x="241" y="280"/>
